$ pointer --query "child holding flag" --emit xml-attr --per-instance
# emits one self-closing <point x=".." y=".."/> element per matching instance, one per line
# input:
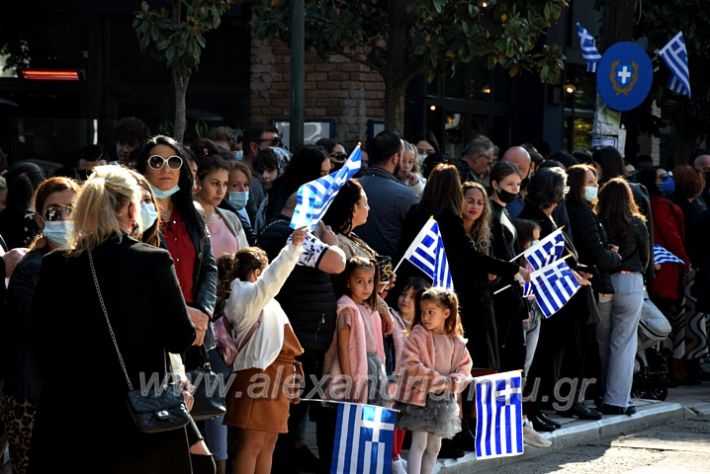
<point x="435" y="367"/>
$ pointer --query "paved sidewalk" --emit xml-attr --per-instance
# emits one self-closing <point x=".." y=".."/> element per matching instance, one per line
<point x="683" y="402"/>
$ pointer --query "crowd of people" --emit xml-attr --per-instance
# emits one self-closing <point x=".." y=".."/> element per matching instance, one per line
<point x="169" y="259"/>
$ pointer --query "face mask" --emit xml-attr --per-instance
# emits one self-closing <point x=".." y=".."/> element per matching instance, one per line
<point x="533" y="243"/>
<point x="667" y="187"/>
<point x="148" y="215"/>
<point x="524" y="183"/>
<point x="239" y="155"/>
<point x="505" y="196"/>
<point x="422" y="158"/>
<point x="58" y="232"/>
<point x="707" y="179"/>
<point x="590" y="193"/>
<point x="160" y="194"/>
<point x="238" y="199"/>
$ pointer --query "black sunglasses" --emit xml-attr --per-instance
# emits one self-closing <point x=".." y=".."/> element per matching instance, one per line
<point x="339" y="156"/>
<point x="57" y="213"/>
<point x="157" y="162"/>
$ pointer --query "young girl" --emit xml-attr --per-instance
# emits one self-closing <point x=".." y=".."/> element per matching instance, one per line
<point x="402" y="322"/>
<point x="436" y="366"/>
<point x="356" y="357"/>
<point x="267" y="350"/>
<point x="409" y="173"/>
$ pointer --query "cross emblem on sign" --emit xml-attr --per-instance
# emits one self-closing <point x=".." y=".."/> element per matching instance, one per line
<point x="624" y="74"/>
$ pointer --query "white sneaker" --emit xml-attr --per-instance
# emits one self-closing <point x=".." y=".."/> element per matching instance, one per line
<point x="399" y="466"/>
<point x="533" y="438"/>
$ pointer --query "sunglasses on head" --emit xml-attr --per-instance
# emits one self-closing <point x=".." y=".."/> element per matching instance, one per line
<point x="157" y="162"/>
<point x="57" y="213"/>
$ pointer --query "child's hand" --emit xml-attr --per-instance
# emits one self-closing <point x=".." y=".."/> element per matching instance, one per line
<point x="299" y="235"/>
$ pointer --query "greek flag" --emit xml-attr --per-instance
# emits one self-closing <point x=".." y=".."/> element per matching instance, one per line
<point x="589" y="48"/>
<point x="314" y="197"/>
<point x="554" y="286"/>
<point x="426" y="252"/>
<point x="364" y="435"/>
<point x="675" y="56"/>
<point x="661" y="255"/>
<point x="546" y="251"/>
<point x="499" y="415"/>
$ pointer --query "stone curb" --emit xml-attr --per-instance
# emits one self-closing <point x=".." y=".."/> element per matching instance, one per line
<point x="581" y="432"/>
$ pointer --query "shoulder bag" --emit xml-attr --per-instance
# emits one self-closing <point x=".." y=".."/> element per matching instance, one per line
<point x="156" y="412"/>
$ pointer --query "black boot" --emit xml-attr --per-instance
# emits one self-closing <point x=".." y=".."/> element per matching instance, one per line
<point x="202" y="464"/>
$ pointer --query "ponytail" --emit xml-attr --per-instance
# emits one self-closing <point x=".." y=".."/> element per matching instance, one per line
<point x="233" y="267"/>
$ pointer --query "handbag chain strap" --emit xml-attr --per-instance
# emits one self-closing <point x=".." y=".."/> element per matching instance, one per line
<point x="108" y="322"/>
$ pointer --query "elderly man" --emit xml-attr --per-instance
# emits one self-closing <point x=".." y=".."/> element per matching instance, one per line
<point x="476" y="160"/>
<point x="520" y="157"/>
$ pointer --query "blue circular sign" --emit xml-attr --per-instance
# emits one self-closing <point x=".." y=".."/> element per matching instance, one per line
<point x="624" y="76"/>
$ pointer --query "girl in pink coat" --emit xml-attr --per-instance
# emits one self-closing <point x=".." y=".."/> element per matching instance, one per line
<point x="435" y="367"/>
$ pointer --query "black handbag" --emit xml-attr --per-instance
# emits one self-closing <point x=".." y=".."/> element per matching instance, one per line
<point x="209" y="391"/>
<point x="152" y="412"/>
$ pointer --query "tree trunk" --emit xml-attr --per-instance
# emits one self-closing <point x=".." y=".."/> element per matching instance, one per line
<point x="180" y="84"/>
<point x="395" y="92"/>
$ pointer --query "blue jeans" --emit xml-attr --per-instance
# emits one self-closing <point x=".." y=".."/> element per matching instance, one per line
<point x="617" y="335"/>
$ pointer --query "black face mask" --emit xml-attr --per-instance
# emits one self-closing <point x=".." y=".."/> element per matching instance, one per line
<point x="707" y="180"/>
<point x="505" y="196"/>
<point x="524" y="183"/>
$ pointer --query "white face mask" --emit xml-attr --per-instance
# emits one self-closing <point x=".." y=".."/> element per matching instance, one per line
<point x="533" y="243"/>
<point x="148" y="215"/>
<point x="590" y="193"/>
<point x="59" y="232"/>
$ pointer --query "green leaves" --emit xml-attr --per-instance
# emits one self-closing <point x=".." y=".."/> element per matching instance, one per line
<point x="177" y="36"/>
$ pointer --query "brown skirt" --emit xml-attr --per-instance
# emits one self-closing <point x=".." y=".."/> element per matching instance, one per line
<point x="260" y="400"/>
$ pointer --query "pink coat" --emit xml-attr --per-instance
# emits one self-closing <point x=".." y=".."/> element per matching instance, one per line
<point x="352" y="387"/>
<point x="418" y="376"/>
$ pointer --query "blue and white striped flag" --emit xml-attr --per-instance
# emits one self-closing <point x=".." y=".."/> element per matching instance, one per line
<point x="364" y="435"/>
<point x="315" y="197"/>
<point x="546" y="251"/>
<point x="587" y="44"/>
<point x="499" y="415"/>
<point x="554" y="286"/>
<point x="427" y="253"/>
<point x="675" y="56"/>
<point x="661" y="255"/>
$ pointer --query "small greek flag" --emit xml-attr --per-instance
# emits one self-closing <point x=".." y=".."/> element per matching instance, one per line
<point x="546" y="251"/>
<point x="554" y="286"/>
<point x="364" y="436"/>
<point x="675" y="56"/>
<point x="590" y="53"/>
<point x="661" y="256"/>
<point x="315" y="197"/>
<point x="499" y="415"/>
<point x="426" y="252"/>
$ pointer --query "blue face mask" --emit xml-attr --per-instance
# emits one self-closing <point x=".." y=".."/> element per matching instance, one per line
<point x="667" y="187"/>
<point x="239" y="155"/>
<point x="160" y="194"/>
<point x="58" y="232"/>
<point x="590" y="193"/>
<point x="148" y="215"/>
<point x="238" y="199"/>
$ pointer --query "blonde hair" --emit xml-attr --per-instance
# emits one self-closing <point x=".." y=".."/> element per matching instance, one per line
<point x="481" y="232"/>
<point x="413" y="148"/>
<point x="108" y="190"/>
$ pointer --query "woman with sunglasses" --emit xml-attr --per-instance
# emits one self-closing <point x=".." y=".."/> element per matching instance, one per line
<point x="53" y="201"/>
<point x="183" y="232"/>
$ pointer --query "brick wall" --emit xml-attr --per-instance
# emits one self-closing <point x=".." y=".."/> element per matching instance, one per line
<point x="336" y="88"/>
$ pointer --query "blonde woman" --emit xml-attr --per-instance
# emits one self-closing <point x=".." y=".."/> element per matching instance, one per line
<point x="148" y="315"/>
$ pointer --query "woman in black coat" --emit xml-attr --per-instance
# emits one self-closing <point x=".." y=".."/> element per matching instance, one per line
<point x="84" y="386"/>
<point x="443" y="199"/>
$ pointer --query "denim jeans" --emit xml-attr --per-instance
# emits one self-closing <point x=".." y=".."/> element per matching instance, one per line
<point x="617" y="335"/>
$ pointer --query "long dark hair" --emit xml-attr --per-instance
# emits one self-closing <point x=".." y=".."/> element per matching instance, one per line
<point x="442" y="192"/>
<point x="182" y="200"/>
<point x="610" y="161"/>
<point x="22" y="179"/>
<point x="617" y="207"/>
<point x="340" y="214"/>
<point x="647" y="177"/>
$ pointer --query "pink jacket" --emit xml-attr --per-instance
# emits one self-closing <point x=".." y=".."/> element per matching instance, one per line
<point x="352" y="387"/>
<point x="418" y="377"/>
